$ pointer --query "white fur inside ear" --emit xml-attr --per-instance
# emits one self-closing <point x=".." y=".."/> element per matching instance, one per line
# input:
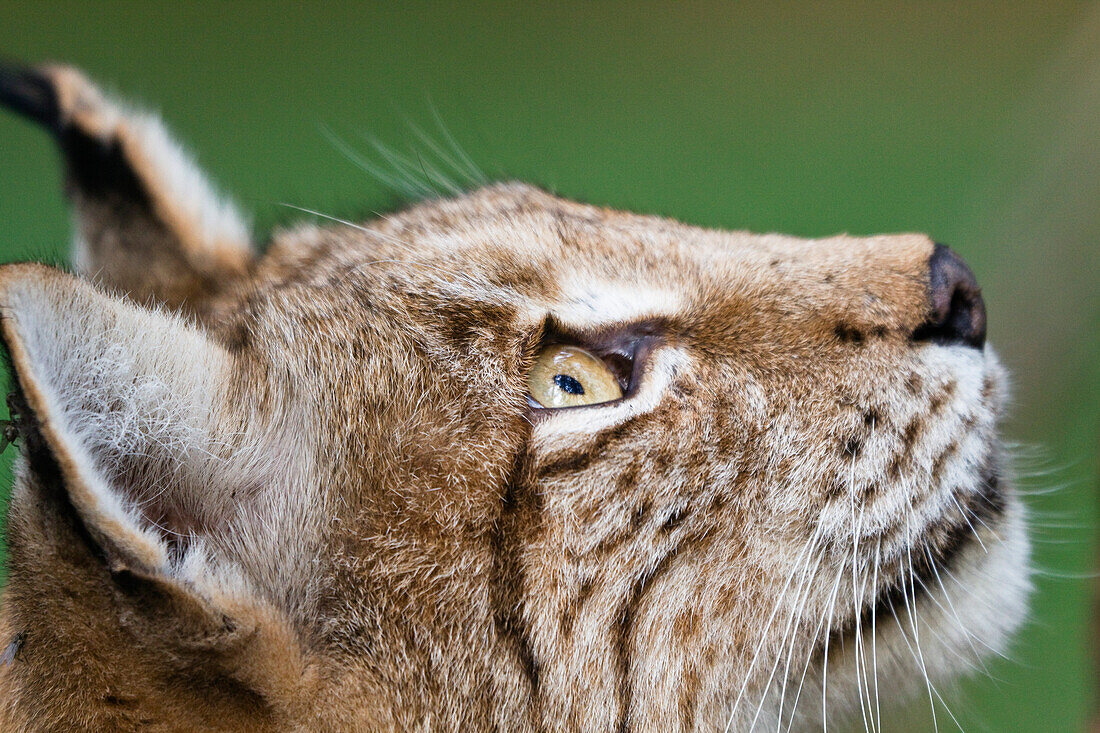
<point x="123" y="395"/>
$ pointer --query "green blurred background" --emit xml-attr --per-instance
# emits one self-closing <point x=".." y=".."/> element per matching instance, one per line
<point x="978" y="123"/>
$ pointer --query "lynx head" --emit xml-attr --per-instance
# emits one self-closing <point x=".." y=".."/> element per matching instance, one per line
<point x="501" y="460"/>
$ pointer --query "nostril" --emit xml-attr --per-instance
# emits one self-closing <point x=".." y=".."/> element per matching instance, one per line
<point x="956" y="311"/>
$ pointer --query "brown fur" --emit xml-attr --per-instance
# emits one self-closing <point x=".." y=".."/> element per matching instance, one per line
<point x="459" y="560"/>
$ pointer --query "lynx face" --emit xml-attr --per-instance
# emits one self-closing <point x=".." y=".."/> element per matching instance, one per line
<point x="320" y="488"/>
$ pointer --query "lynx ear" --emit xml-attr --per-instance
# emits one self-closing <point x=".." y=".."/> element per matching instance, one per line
<point x="123" y="400"/>
<point x="149" y="223"/>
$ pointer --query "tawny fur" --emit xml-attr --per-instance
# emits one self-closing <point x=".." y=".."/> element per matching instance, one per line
<point x="306" y="490"/>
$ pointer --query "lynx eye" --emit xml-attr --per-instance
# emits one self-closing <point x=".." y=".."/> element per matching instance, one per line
<point x="569" y="376"/>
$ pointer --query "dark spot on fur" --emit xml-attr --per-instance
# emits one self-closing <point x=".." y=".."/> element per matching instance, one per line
<point x="239" y="336"/>
<point x="675" y="519"/>
<point x="848" y="334"/>
<point x="894" y="469"/>
<point x="662" y="458"/>
<point x="835" y="489"/>
<point x="870" y="492"/>
<point x="569" y="618"/>
<point x="911" y="433"/>
<point x="914" y="383"/>
<point x="829" y="278"/>
<point x="468" y="321"/>
<point x="626" y="479"/>
<point x="941" y="398"/>
<point x="853" y="446"/>
<point x="872" y="418"/>
<point x="579" y="460"/>
<point x="518" y="508"/>
<point x="941" y="459"/>
<point x="987" y="388"/>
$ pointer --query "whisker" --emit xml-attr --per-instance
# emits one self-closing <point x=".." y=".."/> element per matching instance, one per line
<point x="444" y="157"/>
<point x="405" y="165"/>
<point x="767" y="627"/>
<point x="913" y="614"/>
<point x="962" y="627"/>
<point x="477" y="174"/>
<point x="857" y="605"/>
<point x="402" y="187"/>
<point x="874" y="634"/>
<point x="788" y="634"/>
<point x="825" y="670"/>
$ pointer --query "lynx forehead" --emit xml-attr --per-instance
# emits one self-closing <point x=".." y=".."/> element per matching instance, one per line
<point x="329" y="486"/>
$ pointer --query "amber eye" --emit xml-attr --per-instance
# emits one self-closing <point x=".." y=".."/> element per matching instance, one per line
<point x="569" y="376"/>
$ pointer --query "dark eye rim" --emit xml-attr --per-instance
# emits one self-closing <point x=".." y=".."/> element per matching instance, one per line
<point x="623" y="350"/>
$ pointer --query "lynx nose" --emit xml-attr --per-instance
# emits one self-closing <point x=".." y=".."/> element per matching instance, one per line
<point x="956" y="311"/>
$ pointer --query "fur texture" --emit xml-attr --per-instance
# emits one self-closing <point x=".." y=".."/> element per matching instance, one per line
<point x="307" y="491"/>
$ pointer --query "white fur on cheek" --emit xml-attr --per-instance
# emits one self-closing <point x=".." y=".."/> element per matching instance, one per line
<point x="971" y="611"/>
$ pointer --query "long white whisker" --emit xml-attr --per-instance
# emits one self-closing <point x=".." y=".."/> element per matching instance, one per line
<point x="913" y="614"/>
<point x="966" y="518"/>
<point x="404" y="187"/>
<point x="788" y="634"/>
<point x="409" y="168"/>
<point x="809" y="657"/>
<point x="475" y="170"/>
<point x="857" y="604"/>
<point x="338" y="220"/>
<point x="958" y="620"/>
<point x="767" y="627"/>
<point x="443" y="156"/>
<point x="825" y="657"/>
<point x="874" y="633"/>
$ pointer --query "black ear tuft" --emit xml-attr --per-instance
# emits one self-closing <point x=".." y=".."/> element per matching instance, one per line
<point x="149" y="223"/>
<point x="30" y="93"/>
<point x="97" y="166"/>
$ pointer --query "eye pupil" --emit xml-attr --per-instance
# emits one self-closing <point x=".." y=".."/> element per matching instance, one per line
<point x="568" y="384"/>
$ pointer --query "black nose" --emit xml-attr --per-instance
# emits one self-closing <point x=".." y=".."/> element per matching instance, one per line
<point x="956" y="311"/>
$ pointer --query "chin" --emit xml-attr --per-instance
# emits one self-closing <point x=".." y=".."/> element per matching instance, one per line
<point x="922" y="636"/>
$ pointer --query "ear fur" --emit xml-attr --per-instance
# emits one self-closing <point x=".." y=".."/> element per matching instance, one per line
<point x="148" y="479"/>
<point x="123" y="397"/>
<point x="149" y="223"/>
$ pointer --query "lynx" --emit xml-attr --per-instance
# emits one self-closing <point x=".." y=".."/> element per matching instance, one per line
<point x="500" y="461"/>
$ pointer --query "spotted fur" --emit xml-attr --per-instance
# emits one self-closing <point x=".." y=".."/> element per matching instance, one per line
<point x="305" y="490"/>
